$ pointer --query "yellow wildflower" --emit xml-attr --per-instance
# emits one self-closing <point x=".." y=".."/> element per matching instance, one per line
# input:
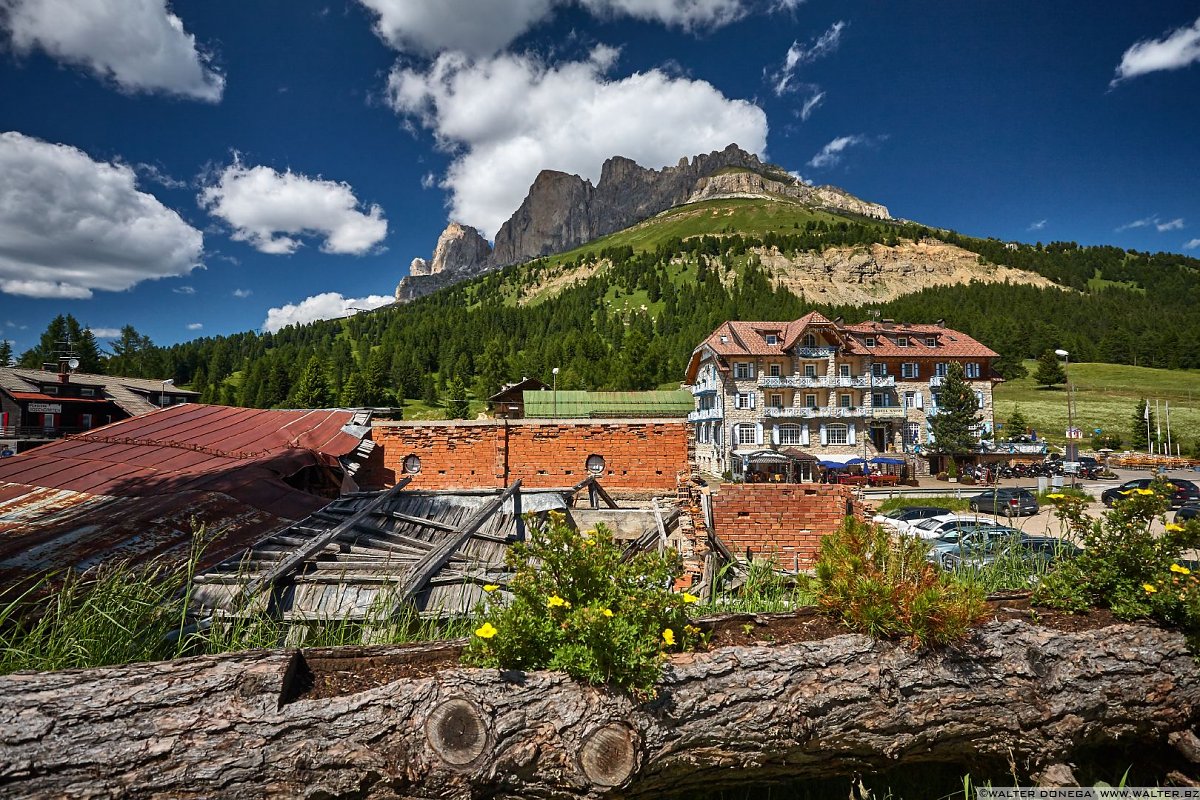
<point x="606" y="612"/>
<point x="1171" y="526"/>
<point x="1055" y="496"/>
<point x="690" y="598"/>
<point x="555" y="601"/>
<point x="490" y="587"/>
<point x="1150" y="588"/>
<point x="669" y="636"/>
<point x="486" y="631"/>
<point x="1180" y="569"/>
<point x="1145" y="491"/>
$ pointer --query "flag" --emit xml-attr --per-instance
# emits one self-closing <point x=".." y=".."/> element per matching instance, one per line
<point x="1146" y="411"/>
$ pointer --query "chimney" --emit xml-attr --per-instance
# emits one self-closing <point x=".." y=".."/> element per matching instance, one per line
<point x="888" y="323"/>
<point x="64" y="371"/>
<point x="839" y="321"/>
<point x="941" y="323"/>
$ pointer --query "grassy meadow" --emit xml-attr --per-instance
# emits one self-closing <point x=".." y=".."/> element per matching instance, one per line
<point x="1106" y="397"/>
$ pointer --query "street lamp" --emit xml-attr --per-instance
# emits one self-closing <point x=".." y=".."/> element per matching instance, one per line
<point x="162" y="398"/>
<point x="554" y="389"/>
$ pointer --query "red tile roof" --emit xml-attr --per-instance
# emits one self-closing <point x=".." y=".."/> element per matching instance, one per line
<point x="950" y="343"/>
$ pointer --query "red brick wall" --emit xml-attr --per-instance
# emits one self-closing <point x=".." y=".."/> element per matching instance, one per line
<point x="786" y="520"/>
<point x="639" y="455"/>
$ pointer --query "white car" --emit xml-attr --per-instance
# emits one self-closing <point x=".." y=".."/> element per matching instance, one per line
<point x="899" y="519"/>
<point x="939" y="526"/>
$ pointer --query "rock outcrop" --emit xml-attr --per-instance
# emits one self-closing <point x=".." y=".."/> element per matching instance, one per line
<point x="563" y="211"/>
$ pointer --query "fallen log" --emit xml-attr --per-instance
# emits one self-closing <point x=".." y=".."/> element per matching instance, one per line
<point x="252" y="724"/>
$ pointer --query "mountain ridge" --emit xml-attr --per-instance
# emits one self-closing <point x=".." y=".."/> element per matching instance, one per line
<point x="562" y="211"/>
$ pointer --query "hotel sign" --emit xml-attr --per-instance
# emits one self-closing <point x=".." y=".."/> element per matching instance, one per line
<point x="45" y="408"/>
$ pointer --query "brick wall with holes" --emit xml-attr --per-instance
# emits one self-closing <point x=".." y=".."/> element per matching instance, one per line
<point x="634" y="455"/>
<point x="787" y="521"/>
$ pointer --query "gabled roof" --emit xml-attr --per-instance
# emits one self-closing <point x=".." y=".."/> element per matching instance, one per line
<point x="135" y="488"/>
<point x="950" y="343"/>
<point x="131" y="395"/>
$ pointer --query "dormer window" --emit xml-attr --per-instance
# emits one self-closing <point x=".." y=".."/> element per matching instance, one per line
<point x="871" y="341"/>
<point x="772" y="339"/>
<point x="49" y="390"/>
<point x="901" y="341"/>
<point x="87" y="392"/>
<point x="931" y="341"/>
<point x="809" y="340"/>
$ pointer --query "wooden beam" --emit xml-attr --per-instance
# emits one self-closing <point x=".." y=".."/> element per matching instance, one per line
<point x="426" y="523"/>
<point x="662" y="528"/>
<point x="315" y="545"/>
<point x="433" y="561"/>
<point x="603" y="494"/>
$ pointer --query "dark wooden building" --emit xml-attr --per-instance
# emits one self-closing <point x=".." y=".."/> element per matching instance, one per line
<point x="509" y="402"/>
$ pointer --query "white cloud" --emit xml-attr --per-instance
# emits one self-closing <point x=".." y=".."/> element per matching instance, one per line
<point x="137" y="44"/>
<point x="1191" y="245"/>
<point x="1037" y="226"/>
<point x="1175" y="50"/>
<point x="810" y="105"/>
<point x="831" y="154"/>
<point x="509" y="117"/>
<point x="1154" y="220"/>
<point x="484" y="27"/>
<point x="428" y="180"/>
<point x="242" y="293"/>
<point x="320" y="306"/>
<point x="273" y="210"/>
<point x="184" y="290"/>
<point x="152" y="172"/>
<point x="195" y="326"/>
<point x="69" y="225"/>
<point x="106" y="333"/>
<point x="799" y="54"/>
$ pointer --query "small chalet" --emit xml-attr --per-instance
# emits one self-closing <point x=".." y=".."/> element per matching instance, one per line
<point x="509" y="402"/>
<point x="37" y="405"/>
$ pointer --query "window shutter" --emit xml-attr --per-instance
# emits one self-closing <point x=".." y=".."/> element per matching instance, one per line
<point x="753" y="397"/>
<point x="774" y="434"/>
<point x="758" y="433"/>
<point x="824" y="436"/>
<point x="850" y="431"/>
<point x="804" y="435"/>
<point x="920" y="398"/>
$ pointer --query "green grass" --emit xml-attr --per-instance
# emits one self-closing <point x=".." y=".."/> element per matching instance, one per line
<point x="1106" y="396"/>
<point x="892" y="503"/>
<point x="420" y="410"/>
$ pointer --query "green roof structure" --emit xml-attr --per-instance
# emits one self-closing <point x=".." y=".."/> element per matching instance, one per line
<point x="576" y="404"/>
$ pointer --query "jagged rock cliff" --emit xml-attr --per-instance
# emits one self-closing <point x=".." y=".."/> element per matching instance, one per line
<point x="564" y="211"/>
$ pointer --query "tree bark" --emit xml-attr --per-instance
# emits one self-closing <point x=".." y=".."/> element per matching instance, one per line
<point x="240" y="726"/>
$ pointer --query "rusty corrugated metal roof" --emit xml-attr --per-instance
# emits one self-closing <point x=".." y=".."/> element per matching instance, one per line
<point x="133" y="489"/>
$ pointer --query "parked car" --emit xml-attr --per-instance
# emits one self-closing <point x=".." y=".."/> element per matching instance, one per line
<point x="1036" y="552"/>
<point x="1187" y="512"/>
<point x="966" y="540"/>
<point x="1185" y="491"/>
<point x="899" y="519"/>
<point x="1010" y="502"/>
<point x="937" y="527"/>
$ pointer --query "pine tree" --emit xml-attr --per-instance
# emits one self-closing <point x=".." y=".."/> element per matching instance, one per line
<point x="953" y="425"/>
<point x="6" y="353"/>
<point x="353" y="392"/>
<point x="1049" y="370"/>
<point x="312" y="390"/>
<point x="1017" y="424"/>
<point x="1138" y="425"/>
<point x="456" y="399"/>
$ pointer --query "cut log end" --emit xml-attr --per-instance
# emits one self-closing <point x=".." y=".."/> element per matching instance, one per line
<point x="609" y="755"/>
<point x="458" y="732"/>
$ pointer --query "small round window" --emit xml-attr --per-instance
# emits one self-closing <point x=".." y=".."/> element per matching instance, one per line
<point x="595" y="464"/>
<point x="412" y="464"/>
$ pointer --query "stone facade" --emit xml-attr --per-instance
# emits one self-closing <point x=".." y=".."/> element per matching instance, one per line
<point x="826" y="389"/>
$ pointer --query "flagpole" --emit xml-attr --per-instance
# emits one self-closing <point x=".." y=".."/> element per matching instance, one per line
<point x="1168" y="407"/>
<point x="1149" y="441"/>
<point x="1158" y="426"/>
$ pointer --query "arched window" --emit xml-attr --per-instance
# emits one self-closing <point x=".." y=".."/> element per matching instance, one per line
<point x="837" y="433"/>
<point x="809" y="340"/>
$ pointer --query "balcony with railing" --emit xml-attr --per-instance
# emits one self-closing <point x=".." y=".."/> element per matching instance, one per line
<point x="813" y="352"/>
<point x="819" y="412"/>
<point x="705" y="387"/>
<point x="705" y="414"/>
<point x="937" y="380"/>
<point x="826" y="382"/>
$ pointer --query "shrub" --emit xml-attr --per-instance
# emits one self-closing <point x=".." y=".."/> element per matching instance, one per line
<point x="941" y="501"/>
<point x="1124" y="566"/>
<point x="943" y="476"/>
<point x="577" y="607"/>
<point x="886" y="588"/>
<point x="967" y="480"/>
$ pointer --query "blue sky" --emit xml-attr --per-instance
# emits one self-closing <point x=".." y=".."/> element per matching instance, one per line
<point x="212" y="166"/>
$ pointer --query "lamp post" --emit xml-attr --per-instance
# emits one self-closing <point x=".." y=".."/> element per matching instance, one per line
<point x="554" y="389"/>
<point x="162" y="397"/>
<point x="1063" y="354"/>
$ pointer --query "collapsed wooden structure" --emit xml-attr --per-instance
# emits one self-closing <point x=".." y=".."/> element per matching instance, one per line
<point x="371" y="557"/>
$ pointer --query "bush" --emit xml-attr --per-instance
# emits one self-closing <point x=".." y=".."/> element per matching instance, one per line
<point x="1124" y="566"/>
<point x="967" y="480"/>
<point x="885" y="588"/>
<point x="575" y="606"/>
<point x="943" y="501"/>
<point x="943" y="476"/>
